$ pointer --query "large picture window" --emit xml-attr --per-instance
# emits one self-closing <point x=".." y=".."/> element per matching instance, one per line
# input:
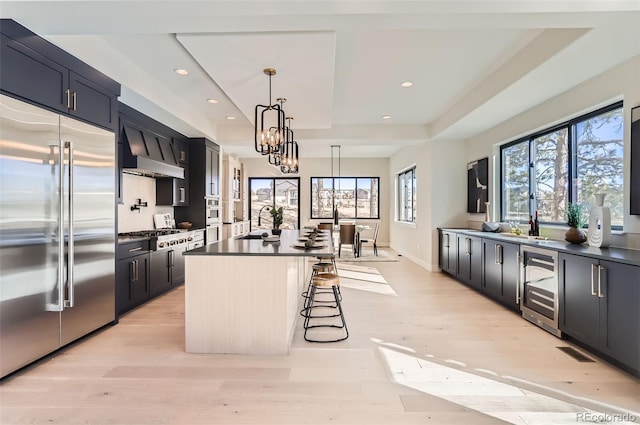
<point x="355" y="197"/>
<point x="567" y="163"/>
<point x="407" y="195"/>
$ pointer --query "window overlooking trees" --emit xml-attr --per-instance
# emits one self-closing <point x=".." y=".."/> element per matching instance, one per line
<point x="568" y="163"/>
<point x="407" y="195"/>
<point x="354" y="197"/>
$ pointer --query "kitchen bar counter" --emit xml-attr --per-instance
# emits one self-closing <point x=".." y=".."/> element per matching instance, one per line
<point x="257" y="247"/>
<point x="243" y="295"/>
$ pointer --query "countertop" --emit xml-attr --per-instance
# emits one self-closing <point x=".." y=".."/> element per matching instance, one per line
<point x="256" y="247"/>
<point x="620" y="255"/>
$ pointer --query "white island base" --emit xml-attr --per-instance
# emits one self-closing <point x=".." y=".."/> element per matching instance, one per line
<point x="242" y="304"/>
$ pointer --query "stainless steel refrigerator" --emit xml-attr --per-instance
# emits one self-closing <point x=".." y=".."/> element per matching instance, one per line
<point x="57" y="231"/>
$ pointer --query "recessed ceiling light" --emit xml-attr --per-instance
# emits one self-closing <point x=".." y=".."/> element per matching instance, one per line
<point x="213" y="101"/>
<point x="407" y="84"/>
<point x="181" y="71"/>
<point x="229" y="117"/>
<point x="386" y="117"/>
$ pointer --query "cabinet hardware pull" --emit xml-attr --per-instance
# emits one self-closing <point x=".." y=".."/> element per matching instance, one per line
<point x="68" y="93"/>
<point x="468" y="246"/>
<point x="135" y="249"/>
<point x="75" y="101"/>
<point x="600" y="294"/>
<point x="496" y="261"/>
<point x="132" y="271"/>
<point x="182" y="191"/>
<point x="171" y="258"/>
<point x="593" y="289"/>
<point x="183" y="155"/>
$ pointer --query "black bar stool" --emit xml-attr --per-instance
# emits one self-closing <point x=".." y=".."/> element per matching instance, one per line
<point x="324" y="280"/>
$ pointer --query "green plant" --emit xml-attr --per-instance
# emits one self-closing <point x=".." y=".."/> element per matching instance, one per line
<point x="575" y="216"/>
<point x="277" y="215"/>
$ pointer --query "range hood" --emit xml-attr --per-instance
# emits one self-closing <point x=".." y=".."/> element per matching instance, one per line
<point x="146" y="154"/>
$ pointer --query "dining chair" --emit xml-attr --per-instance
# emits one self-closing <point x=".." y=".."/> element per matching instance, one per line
<point x="325" y="226"/>
<point x="348" y="237"/>
<point x="372" y="240"/>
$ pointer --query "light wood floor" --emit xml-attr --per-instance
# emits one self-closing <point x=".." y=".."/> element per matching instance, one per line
<point x="433" y="352"/>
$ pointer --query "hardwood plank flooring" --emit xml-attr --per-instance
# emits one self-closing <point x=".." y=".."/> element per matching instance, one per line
<point x="426" y="349"/>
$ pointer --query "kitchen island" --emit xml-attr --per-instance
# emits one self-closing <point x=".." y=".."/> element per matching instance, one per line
<point x="243" y="295"/>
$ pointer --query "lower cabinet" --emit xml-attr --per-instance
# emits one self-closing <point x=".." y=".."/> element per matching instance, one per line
<point x="448" y="252"/>
<point x="132" y="276"/>
<point x="600" y="306"/>
<point x="469" y="250"/>
<point x="501" y="264"/>
<point x="167" y="270"/>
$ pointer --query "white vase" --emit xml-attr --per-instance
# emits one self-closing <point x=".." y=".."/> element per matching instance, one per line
<point x="599" y="234"/>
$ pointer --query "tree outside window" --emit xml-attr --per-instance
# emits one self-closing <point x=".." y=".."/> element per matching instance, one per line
<point x="568" y="163"/>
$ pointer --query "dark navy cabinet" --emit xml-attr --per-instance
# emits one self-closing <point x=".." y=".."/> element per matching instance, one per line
<point x="132" y="275"/>
<point x="470" y="260"/>
<point x="600" y="306"/>
<point x="500" y="262"/>
<point x="448" y="252"/>
<point x="41" y="73"/>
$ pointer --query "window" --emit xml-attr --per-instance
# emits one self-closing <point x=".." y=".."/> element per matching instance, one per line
<point x="355" y="197"/>
<point x="568" y="163"/>
<point x="407" y="195"/>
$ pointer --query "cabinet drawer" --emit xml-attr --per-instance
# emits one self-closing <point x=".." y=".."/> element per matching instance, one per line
<point x="130" y="249"/>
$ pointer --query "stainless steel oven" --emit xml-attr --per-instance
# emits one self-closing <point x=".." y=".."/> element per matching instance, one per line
<point x="539" y="288"/>
<point x="214" y="212"/>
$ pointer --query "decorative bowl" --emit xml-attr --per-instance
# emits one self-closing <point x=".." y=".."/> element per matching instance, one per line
<point x="185" y="225"/>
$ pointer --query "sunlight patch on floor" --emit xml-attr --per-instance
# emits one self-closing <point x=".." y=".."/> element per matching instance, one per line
<point x="364" y="279"/>
<point x="488" y="396"/>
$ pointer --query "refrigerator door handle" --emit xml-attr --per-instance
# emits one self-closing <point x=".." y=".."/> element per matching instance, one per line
<point x="59" y="305"/>
<point x="71" y="249"/>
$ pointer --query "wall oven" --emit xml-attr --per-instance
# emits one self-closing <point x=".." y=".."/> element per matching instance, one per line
<point x="539" y="288"/>
<point x="214" y="212"/>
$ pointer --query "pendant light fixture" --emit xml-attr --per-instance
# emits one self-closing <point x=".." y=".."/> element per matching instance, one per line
<point x="335" y="198"/>
<point x="276" y="144"/>
<point x="269" y="124"/>
<point x="289" y="158"/>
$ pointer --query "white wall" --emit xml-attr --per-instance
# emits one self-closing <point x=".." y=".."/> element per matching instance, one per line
<point x="619" y="83"/>
<point x="441" y="177"/>
<point x="134" y="188"/>
<point x="321" y="167"/>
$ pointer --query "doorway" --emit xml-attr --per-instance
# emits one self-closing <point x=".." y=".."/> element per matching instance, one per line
<point x="274" y="192"/>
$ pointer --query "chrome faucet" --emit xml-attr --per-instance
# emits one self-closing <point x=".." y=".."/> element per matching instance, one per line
<point x="260" y="213"/>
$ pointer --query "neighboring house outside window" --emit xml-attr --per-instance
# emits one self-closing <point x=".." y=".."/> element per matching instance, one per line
<point x="355" y="197"/>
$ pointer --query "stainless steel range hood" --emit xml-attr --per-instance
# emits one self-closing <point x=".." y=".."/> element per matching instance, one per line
<point x="146" y="154"/>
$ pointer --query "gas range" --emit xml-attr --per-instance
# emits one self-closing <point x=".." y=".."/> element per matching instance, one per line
<point x="167" y="238"/>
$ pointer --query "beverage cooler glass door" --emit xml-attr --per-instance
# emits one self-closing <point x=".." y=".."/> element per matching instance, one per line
<point x="540" y="287"/>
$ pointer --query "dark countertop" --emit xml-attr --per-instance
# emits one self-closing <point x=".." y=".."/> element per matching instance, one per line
<point x="620" y="255"/>
<point x="251" y="247"/>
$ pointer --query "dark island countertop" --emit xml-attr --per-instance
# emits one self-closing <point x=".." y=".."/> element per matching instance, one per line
<point x="245" y="246"/>
<point x="620" y="255"/>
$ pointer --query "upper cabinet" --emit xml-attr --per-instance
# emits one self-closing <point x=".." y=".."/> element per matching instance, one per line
<point x="232" y="190"/>
<point x="212" y="171"/>
<point x="39" y="72"/>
